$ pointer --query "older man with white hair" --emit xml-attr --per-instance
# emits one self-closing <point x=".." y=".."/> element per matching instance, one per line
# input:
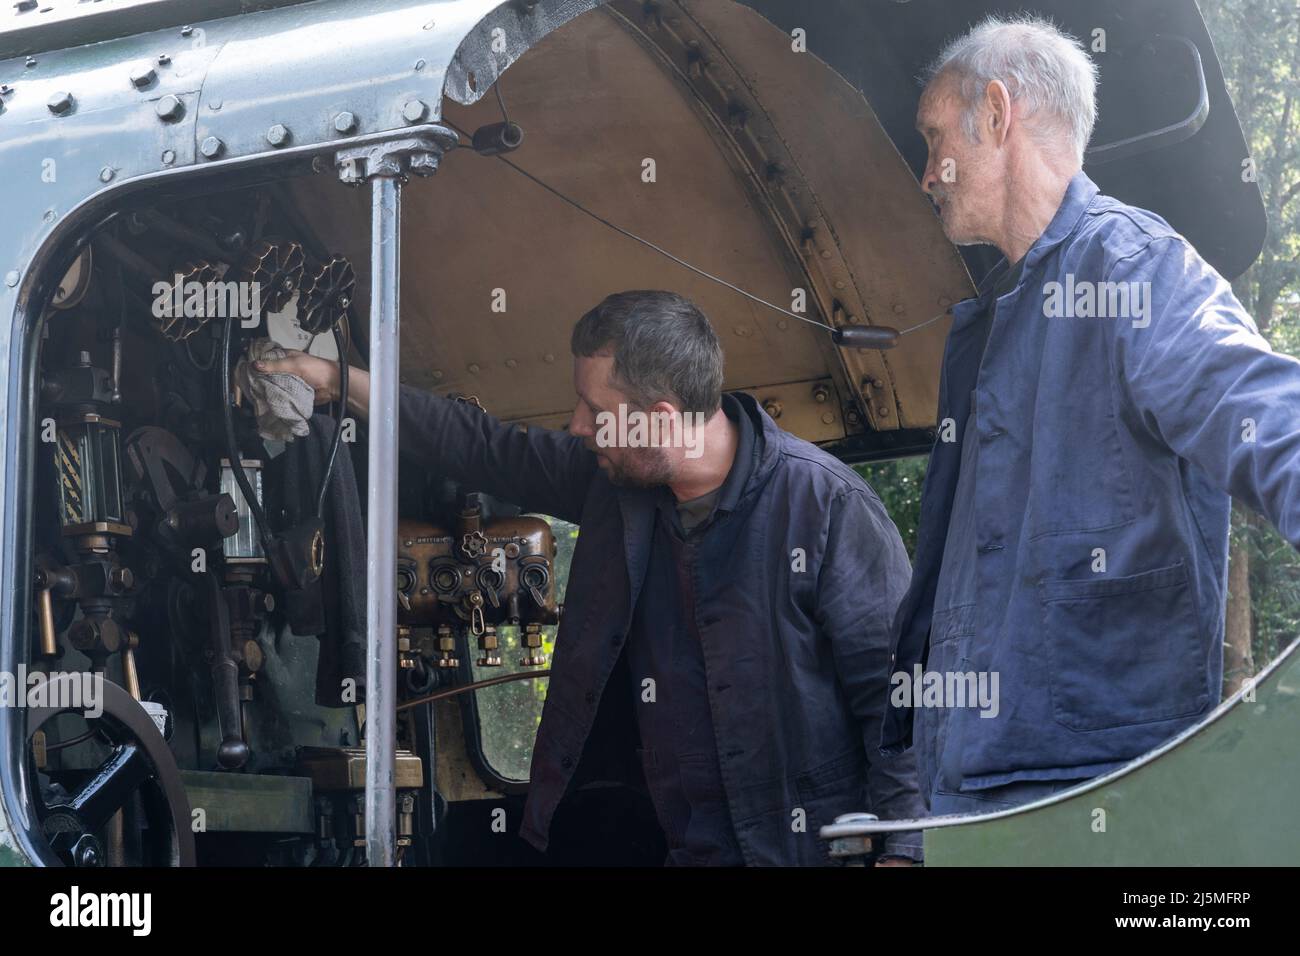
<point x="1100" y="399"/>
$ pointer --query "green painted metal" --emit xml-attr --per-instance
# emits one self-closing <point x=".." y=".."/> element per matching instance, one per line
<point x="250" y="803"/>
<point x="1226" y="793"/>
<point x="11" y="857"/>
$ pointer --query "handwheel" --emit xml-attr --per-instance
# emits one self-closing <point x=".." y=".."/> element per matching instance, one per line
<point x="75" y="818"/>
<point x="277" y="268"/>
<point x="326" y="296"/>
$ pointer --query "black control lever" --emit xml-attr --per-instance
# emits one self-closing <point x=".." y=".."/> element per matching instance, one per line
<point x="233" y="751"/>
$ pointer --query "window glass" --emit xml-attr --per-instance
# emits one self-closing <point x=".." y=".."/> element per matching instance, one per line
<point x="508" y="714"/>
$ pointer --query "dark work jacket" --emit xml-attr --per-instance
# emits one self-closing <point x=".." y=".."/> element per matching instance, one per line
<point x="795" y="589"/>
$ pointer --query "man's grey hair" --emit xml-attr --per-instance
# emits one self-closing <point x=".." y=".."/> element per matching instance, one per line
<point x="663" y="347"/>
<point x="1042" y="66"/>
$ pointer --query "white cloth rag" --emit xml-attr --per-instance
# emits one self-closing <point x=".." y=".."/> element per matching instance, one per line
<point x="283" y="402"/>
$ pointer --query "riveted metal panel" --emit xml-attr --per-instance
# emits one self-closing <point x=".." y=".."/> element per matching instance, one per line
<point x="84" y="127"/>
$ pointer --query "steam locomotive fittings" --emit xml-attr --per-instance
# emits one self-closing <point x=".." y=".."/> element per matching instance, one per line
<point x="470" y="581"/>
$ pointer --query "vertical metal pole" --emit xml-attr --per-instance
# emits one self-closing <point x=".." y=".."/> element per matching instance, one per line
<point x="381" y="540"/>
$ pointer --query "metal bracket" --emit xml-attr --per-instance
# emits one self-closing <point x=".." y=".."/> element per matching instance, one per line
<point x="418" y="155"/>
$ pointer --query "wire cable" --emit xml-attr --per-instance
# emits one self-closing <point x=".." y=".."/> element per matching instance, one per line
<point x="500" y="101"/>
<point x="342" y="347"/>
<point x="476" y="685"/>
<point x="668" y="255"/>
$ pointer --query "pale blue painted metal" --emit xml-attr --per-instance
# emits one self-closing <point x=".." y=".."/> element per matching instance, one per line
<point x="84" y="126"/>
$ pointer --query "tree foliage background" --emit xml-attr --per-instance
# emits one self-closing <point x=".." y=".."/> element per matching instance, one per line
<point x="1258" y="42"/>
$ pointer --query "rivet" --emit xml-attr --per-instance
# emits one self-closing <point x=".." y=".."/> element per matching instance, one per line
<point x="60" y="103"/>
<point x="826" y="253"/>
<point x="169" y="108"/>
<point x="899" y="310"/>
<point x="828" y="417"/>
<point x="782" y="324"/>
<point x="548" y="358"/>
<point x="11" y="279"/>
<point x="511" y="363"/>
<point x="212" y="147"/>
<point x="414" y="110"/>
<point x="106" y="174"/>
<point x="742" y="331"/>
<point x="840" y="283"/>
<point x="168" y="157"/>
<point x="882" y="411"/>
<point x="473" y="368"/>
<point x="944" y="301"/>
<point x="48" y="215"/>
<point x="277" y="135"/>
<point x="345" y="122"/>
<point x="437" y="374"/>
<point x="142" y="76"/>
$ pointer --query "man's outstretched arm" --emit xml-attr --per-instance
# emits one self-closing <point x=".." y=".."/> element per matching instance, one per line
<point x="539" y="469"/>
<point x="1207" y="384"/>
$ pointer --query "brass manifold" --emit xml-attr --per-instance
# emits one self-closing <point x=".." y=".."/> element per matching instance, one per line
<point x="471" y="581"/>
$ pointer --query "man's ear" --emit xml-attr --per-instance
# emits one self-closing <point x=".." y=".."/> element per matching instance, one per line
<point x="667" y="418"/>
<point x="664" y="407"/>
<point x="997" y="98"/>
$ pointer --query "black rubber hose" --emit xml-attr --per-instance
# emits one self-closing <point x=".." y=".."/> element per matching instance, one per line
<point x="338" y="426"/>
<point x="232" y="447"/>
